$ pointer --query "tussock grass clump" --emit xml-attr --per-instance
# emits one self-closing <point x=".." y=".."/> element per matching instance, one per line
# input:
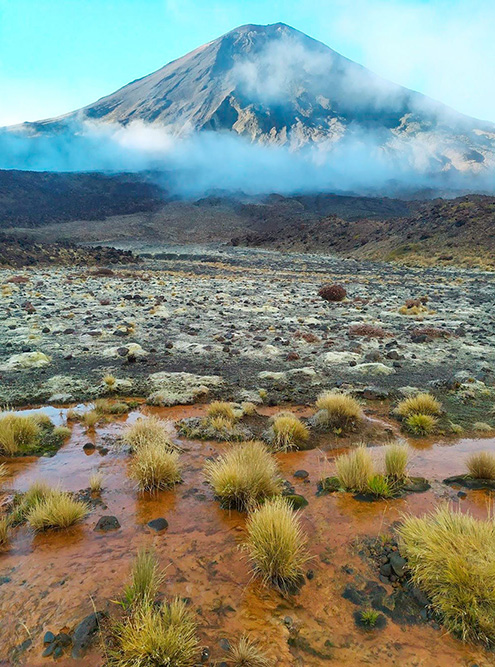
<point x="452" y="559"/>
<point x="42" y="419"/>
<point x="248" y="408"/>
<point x="4" y="472"/>
<point x="221" y="409"/>
<point x="96" y="482"/>
<point x="276" y="544"/>
<point x="109" y="381"/>
<point x="481" y="465"/>
<point x="155" y="467"/>
<point x="338" y="411"/>
<point x="288" y="432"/>
<point x="18" y="433"/>
<point x="4" y="531"/>
<point x="90" y="419"/>
<point x="156" y="635"/>
<point x="355" y="469"/>
<point x="396" y="460"/>
<point x="247" y="653"/>
<point x="147" y="431"/>
<point x="56" y="509"/>
<point x="418" y="424"/>
<point x="421" y="404"/>
<point x="61" y="434"/>
<point x="244" y="476"/>
<point x="145" y="579"/>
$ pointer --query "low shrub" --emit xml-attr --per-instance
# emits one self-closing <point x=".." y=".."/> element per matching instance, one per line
<point x="244" y="475"/>
<point x="333" y="292"/>
<point x="276" y="544"/>
<point x="452" y="559"/>
<point x="367" y="331"/>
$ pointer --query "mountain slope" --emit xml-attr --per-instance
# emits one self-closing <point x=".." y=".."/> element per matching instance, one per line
<point x="274" y="84"/>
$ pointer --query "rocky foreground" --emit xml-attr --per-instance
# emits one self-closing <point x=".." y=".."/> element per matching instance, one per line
<point x="246" y="325"/>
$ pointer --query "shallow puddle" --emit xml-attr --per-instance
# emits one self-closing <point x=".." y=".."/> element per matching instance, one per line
<point x="51" y="581"/>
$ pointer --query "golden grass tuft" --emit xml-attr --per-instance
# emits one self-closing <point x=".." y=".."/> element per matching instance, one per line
<point x="338" y="411"/>
<point x="4" y="472"/>
<point x="276" y="544"/>
<point x="61" y="433"/>
<point x="156" y="635"/>
<point x="145" y="579"/>
<point x="56" y="509"/>
<point x="146" y="431"/>
<point x="90" y="419"/>
<point x="18" y="433"/>
<point x="109" y="381"/>
<point x="418" y="424"/>
<point x="96" y="482"/>
<point x="155" y="467"/>
<point x="452" y="559"/>
<point x="288" y="432"/>
<point x="248" y="408"/>
<point x="354" y="469"/>
<point x="42" y="419"/>
<point x="421" y="404"/>
<point x="4" y="531"/>
<point x="396" y="460"/>
<point x="245" y="475"/>
<point x="247" y="653"/>
<point x="221" y="409"/>
<point x="481" y="465"/>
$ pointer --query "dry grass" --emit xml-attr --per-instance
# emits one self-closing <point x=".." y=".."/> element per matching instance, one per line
<point x="421" y="404"/>
<point x="288" y="432"/>
<point x="244" y="475"/>
<point x="4" y="531"/>
<point x="90" y="419"/>
<point x="109" y="381"/>
<point x="418" y="424"/>
<point x="156" y="635"/>
<point x="155" y="467"/>
<point x="96" y="482"/>
<point x="4" y="472"/>
<point x="338" y="411"/>
<point x="355" y="469"/>
<point x="396" y="460"/>
<point x="42" y="419"/>
<point x="147" y="431"/>
<point x="61" y="433"/>
<point x="481" y="465"/>
<point x="18" y="433"/>
<point x="248" y="408"/>
<point x="247" y="653"/>
<point x="145" y="579"/>
<point x="452" y="559"/>
<point x="55" y="509"/>
<point x="221" y="409"/>
<point x="276" y="544"/>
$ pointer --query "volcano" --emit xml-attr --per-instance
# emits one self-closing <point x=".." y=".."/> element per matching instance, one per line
<point x="275" y="85"/>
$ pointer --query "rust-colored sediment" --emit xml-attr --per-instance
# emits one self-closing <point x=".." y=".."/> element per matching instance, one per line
<point x="51" y="581"/>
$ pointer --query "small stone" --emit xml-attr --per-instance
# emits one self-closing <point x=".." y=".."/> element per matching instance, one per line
<point x="398" y="564"/>
<point x="158" y="524"/>
<point x="301" y="474"/>
<point x="48" y="650"/>
<point x="89" y="447"/>
<point x="48" y="638"/>
<point x="107" y="523"/>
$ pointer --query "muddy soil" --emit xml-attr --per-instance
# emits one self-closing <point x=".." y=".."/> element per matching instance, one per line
<point x="52" y="581"/>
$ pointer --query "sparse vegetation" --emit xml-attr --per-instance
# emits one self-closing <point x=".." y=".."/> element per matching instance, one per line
<point x="244" y="476"/>
<point x="55" y="509"/>
<point x="4" y="531"/>
<point x="221" y="409"/>
<point x="421" y="425"/>
<point x="61" y="433"/>
<point x="396" y="460"/>
<point x="96" y="482"/>
<point x="90" y="419"/>
<point x="338" y="411"/>
<point x="155" y="467"/>
<point x="333" y="293"/>
<point x="481" y="465"/>
<point x="18" y="433"/>
<point x="247" y="653"/>
<point x="288" y="432"/>
<point x="369" y="618"/>
<point x="147" y="431"/>
<point x="276" y="544"/>
<point x="145" y="579"/>
<point x="4" y="472"/>
<point x="452" y="559"/>
<point x="104" y="406"/>
<point x="355" y="469"/>
<point x="421" y="404"/>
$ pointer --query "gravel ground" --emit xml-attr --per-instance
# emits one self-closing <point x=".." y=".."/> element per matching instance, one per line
<point x="203" y="321"/>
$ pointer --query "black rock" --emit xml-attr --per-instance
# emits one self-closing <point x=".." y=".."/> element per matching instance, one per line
<point x="48" y="650"/>
<point x="107" y="523"/>
<point x="386" y="569"/>
<point x="89" y="447"/>
<point x="399" y="564"/>
<point x="84" y="633"/>
<point x="64" y="639"/>
<point x="158" y="524"/>
<point x="48" y="638"/>
<point x="297" y="501"/>
<point x="301" y="474"/>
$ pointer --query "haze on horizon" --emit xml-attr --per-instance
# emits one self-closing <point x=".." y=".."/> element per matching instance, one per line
<point x="56" y="57"/>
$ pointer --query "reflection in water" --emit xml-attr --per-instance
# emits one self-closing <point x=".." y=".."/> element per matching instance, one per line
<point x="53" y="580"/>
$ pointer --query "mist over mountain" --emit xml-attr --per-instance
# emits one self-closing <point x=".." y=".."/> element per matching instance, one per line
<point x="265" y="108"/>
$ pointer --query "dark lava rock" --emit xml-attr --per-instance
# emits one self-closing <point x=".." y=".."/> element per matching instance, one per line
<point x="375" y="394"/>
<point x="89" y="447"/>
<point x="416" y="485"/>
<point x="84" y="633"/>
<point x="158" y="524"/>
<point x="297" y="501"/>
<point x="64" y="639"/>
<point x="399" y="564"/>
<point x="301" y="474"/>
<point x="469" y="482"/>
<point x="328" y="485"/>
<point x="48" y="638"/>
<point x="107" y="523"/>
<point x="352" y="594"/>
<point x="48" y="650"/>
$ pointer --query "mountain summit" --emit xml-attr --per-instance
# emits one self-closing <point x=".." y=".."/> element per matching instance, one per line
<point x="274" y="84"/>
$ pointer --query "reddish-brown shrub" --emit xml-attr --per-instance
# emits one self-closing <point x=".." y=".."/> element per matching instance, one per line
<point x="332" y="292"/>
<point x="367" y="330"/>
<point x="431" y="332"/>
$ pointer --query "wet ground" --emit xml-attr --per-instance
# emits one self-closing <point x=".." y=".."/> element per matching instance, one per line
<point x="51" y="581"/>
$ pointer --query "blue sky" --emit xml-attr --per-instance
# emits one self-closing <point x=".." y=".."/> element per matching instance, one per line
<point x="58" y="55"/>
